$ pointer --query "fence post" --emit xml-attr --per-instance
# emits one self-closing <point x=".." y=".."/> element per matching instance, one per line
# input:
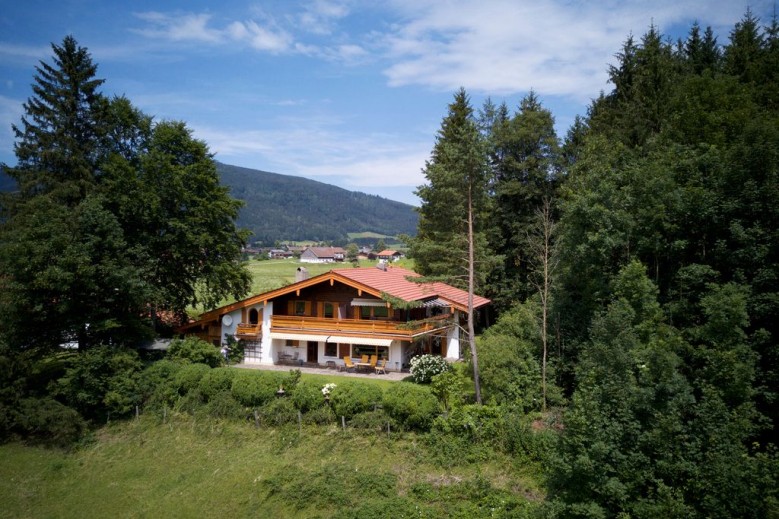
<point x="343" y="422"/>
<point x="300" y="422"/>
<point x="137" y="412"/>
<point x="256" y="419"/>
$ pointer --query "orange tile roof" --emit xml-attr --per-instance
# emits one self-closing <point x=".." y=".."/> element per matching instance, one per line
<point x="369" y="279"/>
<point x="394" y="282"/>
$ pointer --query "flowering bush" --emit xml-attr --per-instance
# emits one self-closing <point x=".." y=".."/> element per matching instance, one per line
<point x="327" y="389"/>
<point x="425" y="367"/>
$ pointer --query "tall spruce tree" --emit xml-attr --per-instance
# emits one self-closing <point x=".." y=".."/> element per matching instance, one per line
<point x="451" y="239"/>
<point x="525" y="159"/>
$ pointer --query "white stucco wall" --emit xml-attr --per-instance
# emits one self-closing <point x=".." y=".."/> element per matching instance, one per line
<point x="453" y="340"/>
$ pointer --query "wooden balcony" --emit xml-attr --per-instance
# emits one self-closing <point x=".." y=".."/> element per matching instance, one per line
<point x="249" y="331"/>
<point x="358" y="327"/>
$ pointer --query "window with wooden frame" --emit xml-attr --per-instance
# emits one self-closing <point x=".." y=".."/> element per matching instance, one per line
<point x="327" y="309"/>
<point x="299" y="308"/>
<point x="331" y="349"/>
<point x="374" y="312"/>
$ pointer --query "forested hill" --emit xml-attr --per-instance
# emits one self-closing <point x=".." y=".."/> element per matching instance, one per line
<point x="294" y="208"/>
<point x="283" y="207"/>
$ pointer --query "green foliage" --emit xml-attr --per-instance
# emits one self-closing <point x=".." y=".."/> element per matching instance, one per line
<point x="307" y="396"/>
<point x="101" y="380"/>
<point x="48" y="422"/>
<point x="449" y="388"/>
<point x="188" y="377"/>
<point x="195" y="350"/>
<point x="425" y="367"/>
<point x="158" y="383"/>
<point x="457" y="178"/>
<point x="114" y="217"/>
<point x="412" y="406"/>
<point x="277" y="412"/>
<point x="216" y="380"/>
<point x="509" y="360"/>
<point x="253" y="389"/>
<point x="350" y="398"/>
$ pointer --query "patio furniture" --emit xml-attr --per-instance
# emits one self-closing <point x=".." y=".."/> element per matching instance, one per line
<point x="330" y="364"/>
<point x="364" y="359"/>
<point x="373" y="361"/>
<point x="349" y="364"/>
<point x="381" y="367"/>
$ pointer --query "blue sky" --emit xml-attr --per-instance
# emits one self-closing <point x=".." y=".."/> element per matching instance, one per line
<point x="345" y="92"/>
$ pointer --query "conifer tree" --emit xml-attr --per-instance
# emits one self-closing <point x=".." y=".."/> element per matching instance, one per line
<point x="451" y="238"/>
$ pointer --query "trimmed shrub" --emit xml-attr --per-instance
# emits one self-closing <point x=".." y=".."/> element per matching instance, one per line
<point x="195" y="350"/>
<point x="411" y="405"/>
<point x="215" y="381"/>
<point x="350" y="398"/>
<point x="307" y="396"/>
<point x="255" y="388"/>
<point x="425" y="367"/>
<point x="158" y="383"/>
<point x="188" y="377"/>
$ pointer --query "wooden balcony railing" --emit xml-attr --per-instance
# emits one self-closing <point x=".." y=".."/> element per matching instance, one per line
<point x="248" y="330"/>
<point x="282" y="323"/>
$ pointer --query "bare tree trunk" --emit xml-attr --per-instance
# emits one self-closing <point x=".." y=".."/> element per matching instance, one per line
<point x="471" y="329"/>
<point x="545" y="261"/>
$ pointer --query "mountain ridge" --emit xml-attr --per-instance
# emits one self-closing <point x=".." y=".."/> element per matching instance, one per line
<point x="285" y="207"/>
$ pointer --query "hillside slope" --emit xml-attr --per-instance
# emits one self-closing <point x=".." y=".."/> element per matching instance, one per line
<point x="283" y="207"/>
<point x="294" y="208"/>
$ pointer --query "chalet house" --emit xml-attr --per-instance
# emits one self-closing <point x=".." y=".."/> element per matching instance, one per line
<point x="280" y="254"/>
<point x="389" y="255"/>
<point x="347" y="312"/>
<point x="322" y="255"/>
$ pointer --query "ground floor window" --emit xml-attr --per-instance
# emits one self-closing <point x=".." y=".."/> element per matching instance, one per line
<point x="331" y="349"/>
<point x="358" y="350"/>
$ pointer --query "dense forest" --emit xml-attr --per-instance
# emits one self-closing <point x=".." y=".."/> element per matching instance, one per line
<point x="282" y="207"/>
<point x="633" y="265"/>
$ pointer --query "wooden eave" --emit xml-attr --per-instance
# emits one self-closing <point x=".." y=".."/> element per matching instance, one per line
<point x="330" y="276"/>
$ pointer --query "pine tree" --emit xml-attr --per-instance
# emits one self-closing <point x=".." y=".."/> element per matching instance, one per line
<point x="56" y="143"/>
<point x="451" y="242"/>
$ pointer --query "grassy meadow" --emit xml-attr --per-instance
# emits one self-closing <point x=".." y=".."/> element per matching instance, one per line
<point x="196" y="467"/>
<point x="273" y="274"/>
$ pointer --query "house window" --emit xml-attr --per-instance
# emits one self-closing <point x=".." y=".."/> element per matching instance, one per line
<point x="331" y="349"/>
<point x="374" y="312"/>
<point x="358" y="350"/>
<point x="300" y="308"/>
<point x="292" y="343"/>
<point x="329" y="310"/>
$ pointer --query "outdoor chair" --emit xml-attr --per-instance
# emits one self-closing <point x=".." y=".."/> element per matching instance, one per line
<point x="381" y="367"/>
<point x="349" y="364"/>
<point x="364" y="358"/>
<point x="374" y="359"/>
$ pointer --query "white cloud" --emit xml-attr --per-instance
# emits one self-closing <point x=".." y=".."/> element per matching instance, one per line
<point x="319" y="16"/>
<point x="315" y="149"/>
<point x="503" y="46"/>
<point x="186" y="27"/>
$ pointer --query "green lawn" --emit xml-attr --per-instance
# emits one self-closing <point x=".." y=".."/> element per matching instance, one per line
<point x="190" y="467"/>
